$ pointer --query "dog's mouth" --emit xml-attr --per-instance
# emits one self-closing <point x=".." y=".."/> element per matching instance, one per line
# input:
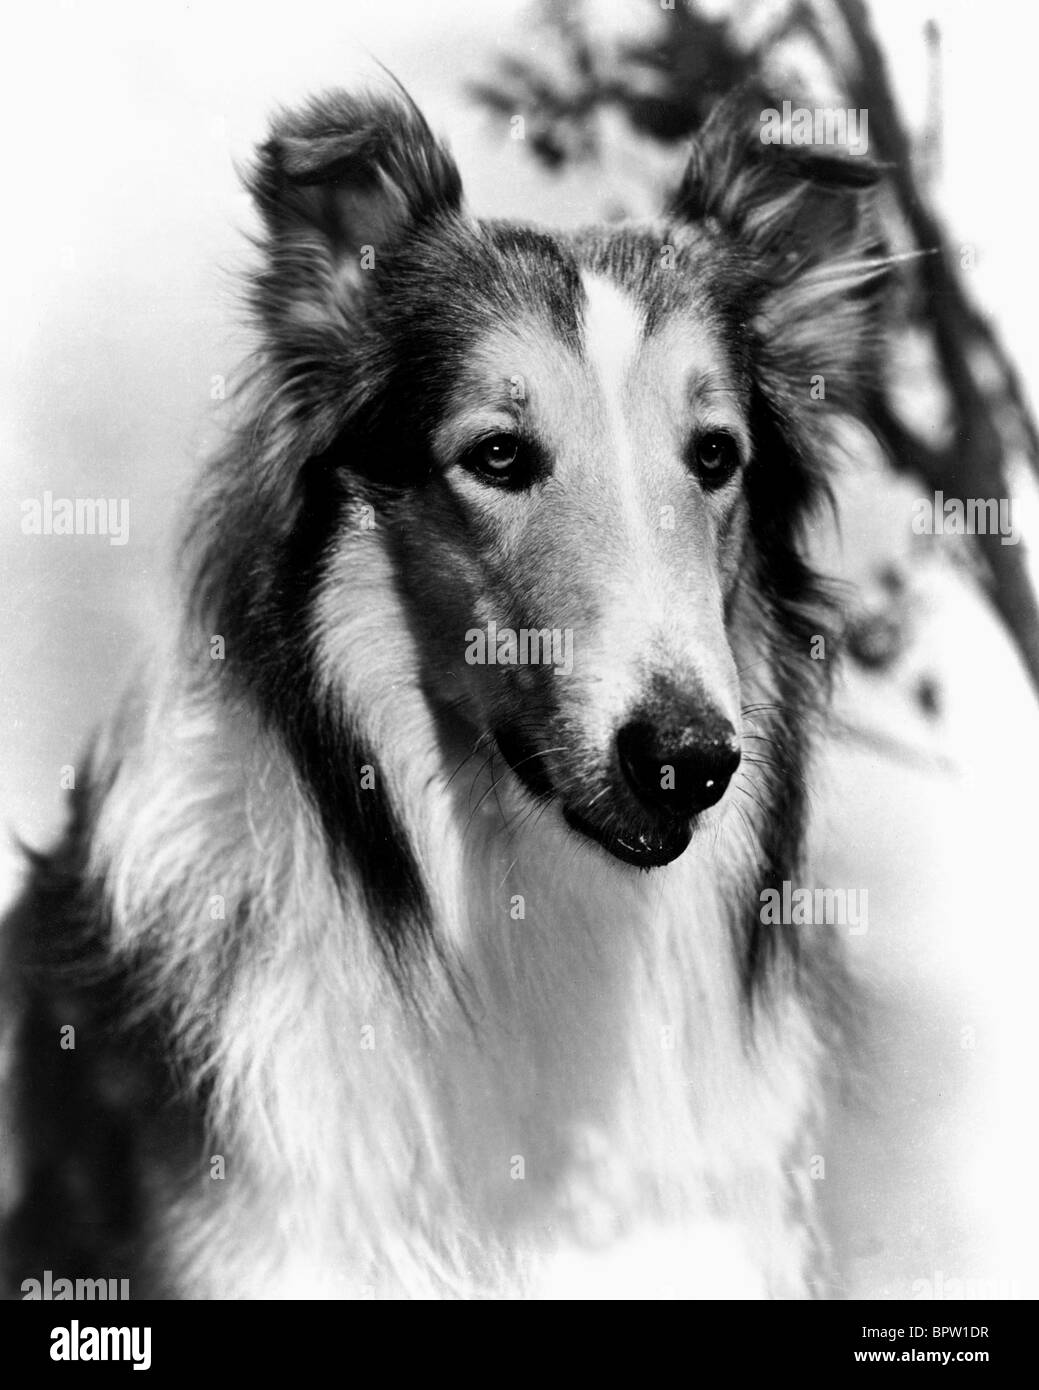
<point x="629" y="834"/>
<point x="645" y="849"/>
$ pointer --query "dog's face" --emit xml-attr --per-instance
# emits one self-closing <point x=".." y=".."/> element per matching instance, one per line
<point x="581" y="520"/>
<point x="572" y="444"/>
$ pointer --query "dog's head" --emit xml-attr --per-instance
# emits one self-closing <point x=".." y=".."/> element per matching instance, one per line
<point x="587" y="455"/>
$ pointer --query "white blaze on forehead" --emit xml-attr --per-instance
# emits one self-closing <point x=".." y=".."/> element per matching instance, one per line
<point x="612" y="337"/>
<point x="613" y="331"/>
<point x="663" y="615"/>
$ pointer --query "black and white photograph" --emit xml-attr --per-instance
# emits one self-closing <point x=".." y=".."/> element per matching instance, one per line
<point x="520" y="645"/>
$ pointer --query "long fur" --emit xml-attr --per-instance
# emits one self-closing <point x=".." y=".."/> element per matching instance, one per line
<point x="281" y="918"/>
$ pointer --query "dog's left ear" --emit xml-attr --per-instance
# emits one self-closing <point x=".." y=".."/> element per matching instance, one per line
<point x="808" y="259"/>
<point x="341" y="183"/>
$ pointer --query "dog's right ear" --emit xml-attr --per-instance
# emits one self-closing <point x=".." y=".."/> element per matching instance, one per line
<point x="805" y="225"/>
<point x="340" y="183"/>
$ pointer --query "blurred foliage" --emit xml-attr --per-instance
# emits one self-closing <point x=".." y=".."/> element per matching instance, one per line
<point x="665" y="84"/>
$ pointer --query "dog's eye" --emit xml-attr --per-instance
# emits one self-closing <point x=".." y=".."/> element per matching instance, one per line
<point x="499" y="453"/>
<point x="715" y="458"/>
<point x="503" y="460"/>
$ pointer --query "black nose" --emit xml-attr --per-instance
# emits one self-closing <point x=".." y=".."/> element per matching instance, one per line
<point x="681" y="766"/>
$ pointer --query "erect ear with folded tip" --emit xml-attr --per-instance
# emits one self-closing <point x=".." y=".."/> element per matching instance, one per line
<point x="804" y="227"/>
<point x="339" y="183"/>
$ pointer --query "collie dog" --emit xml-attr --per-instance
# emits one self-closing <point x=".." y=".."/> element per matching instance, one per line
<point x="406" y="940"/>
